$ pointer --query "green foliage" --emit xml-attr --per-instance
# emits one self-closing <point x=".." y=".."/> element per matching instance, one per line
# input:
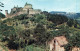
<point x="32" y="48"/>
<point x="73" y="38"/>
<point x="25" y="22"/>
<point x="51" y="25"/>
<point x="39" y="19"/>
<point x="6" y="31"/>
<point x="38" y="30"/>
<point x="2" y="15"/>
<point x="21" y="17"/>
<point x="72" y="22"/>
<point x="23" y="38"/>
<point x="40" y="34"/>
<point x="57" y="19"/>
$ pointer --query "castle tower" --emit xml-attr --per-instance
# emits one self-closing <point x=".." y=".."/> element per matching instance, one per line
<point x="17" y="6"/>
<point x="6" y="13"/>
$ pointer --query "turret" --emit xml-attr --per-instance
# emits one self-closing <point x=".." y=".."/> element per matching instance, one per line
<point x="6" y="13"/>
<point x="17" y="6"/>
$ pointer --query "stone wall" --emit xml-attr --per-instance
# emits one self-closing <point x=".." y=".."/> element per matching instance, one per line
<point x="28" y="6"/>
<point x="34" y="11"/>
<point x="6" y="13"/>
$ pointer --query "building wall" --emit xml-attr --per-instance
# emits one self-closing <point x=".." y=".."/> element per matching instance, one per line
<point x="75" y="49"/>
<point x="27" y="7"/>
<point x="56" y="44"/>
<point x="25" y="11"/>
<point x="31" y="11"/>
<point x="6" y="13"/>
<point x="57" y="47"/>
<point x="34" y="11"/>
<point x="38" y="11"/>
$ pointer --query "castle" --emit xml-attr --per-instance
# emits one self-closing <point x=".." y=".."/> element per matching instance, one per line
<point x="27" y="9"/>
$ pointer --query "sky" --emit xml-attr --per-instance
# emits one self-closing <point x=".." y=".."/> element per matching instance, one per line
<point x="44" y="5"/>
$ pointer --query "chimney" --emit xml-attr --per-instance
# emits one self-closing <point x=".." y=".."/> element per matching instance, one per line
<point x="6" y="13"/>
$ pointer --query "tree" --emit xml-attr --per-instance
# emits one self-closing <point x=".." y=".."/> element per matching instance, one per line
<point x="21" y="17"/>
<point x="73" y="40"/>
<point x="57" y="19"/>
<point x="2" y="15"/>
<point x="7" y="32"/>
<point x="72" y="22"/>
<point x="40" y="34"/>
<point x="39" y="18"/>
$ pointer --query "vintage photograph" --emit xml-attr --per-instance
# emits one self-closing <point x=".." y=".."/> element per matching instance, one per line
<point x="39" y="25"/>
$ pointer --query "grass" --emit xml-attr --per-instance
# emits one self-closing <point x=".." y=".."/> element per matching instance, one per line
<point x="31" y="48"/>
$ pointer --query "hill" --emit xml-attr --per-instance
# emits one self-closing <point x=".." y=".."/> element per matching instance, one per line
<point x="21" y="32"/>
<point x="69" y="14"/>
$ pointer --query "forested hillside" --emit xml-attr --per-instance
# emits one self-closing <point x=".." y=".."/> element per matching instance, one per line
<point x="23" y="32"/>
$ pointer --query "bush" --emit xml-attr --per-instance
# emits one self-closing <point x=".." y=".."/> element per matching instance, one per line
<point x="13" y="45"/>
<point x="21" y="17"/>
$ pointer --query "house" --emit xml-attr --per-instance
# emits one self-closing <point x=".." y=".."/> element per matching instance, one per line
<point x="57" y="43"/>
